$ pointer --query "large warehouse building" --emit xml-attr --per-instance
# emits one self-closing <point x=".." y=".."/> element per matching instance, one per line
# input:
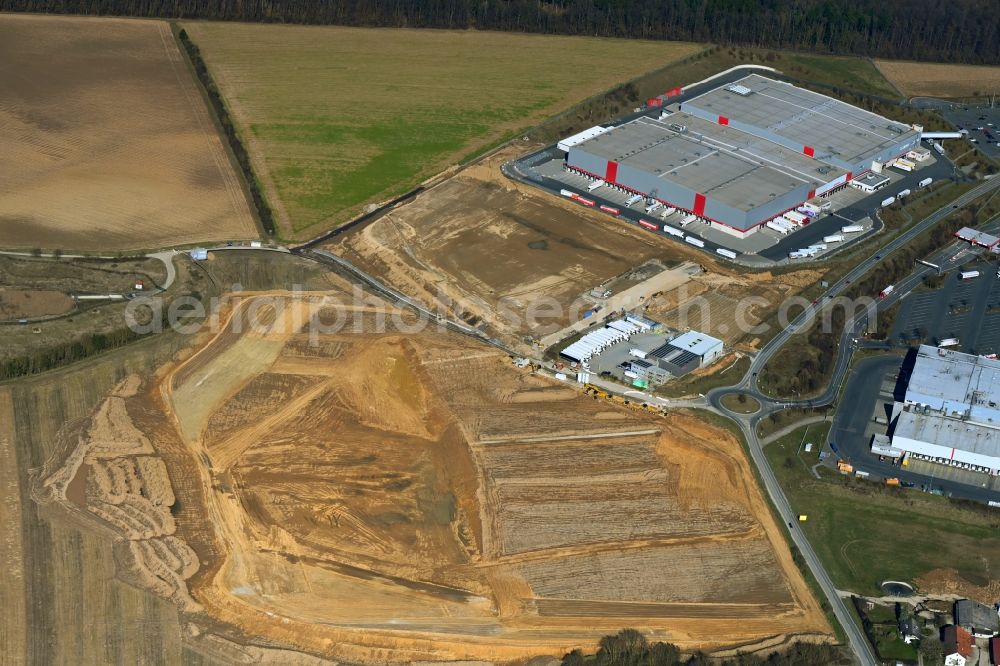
<point x="951" y="410"/>
<point x="742" y="154"/>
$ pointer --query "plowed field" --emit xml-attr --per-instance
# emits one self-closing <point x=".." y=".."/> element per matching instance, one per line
<point x="105" y="140"/>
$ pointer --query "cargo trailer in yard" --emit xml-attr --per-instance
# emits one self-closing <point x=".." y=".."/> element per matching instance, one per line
<point x="697" y="242"/>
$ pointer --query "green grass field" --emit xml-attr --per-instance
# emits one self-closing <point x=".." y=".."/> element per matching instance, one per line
<point x="866" y="533"/>
<point x="842" y="71"/>
<point x="336" y="117"/>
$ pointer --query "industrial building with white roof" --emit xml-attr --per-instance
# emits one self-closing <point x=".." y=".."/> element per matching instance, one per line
<point x="743" y="153"/>
<point x="951" y="410"/>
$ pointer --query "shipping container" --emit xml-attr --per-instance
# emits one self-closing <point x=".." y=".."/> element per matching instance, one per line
<point x="925" y="182"/>
<point x="852" y="229"/>
<point x="673" y="232"/>
<point x="726" y="253"/>
<point x="694" y="241"/>
<point x="795" y="218"/>
<point x="649" y="225"/>
<point x="835" y="238"/>
<point x="892" y="482"/>
<point x="594" y="185"/>
<point x="609" y="209"/>
<point x="778" y="226"/>
<point x="888" y="202"/>
<point x="885" y="292"/>
<point x="968" y="275"/>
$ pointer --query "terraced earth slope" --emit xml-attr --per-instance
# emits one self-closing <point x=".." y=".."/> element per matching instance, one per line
<point x="373" y="494"/>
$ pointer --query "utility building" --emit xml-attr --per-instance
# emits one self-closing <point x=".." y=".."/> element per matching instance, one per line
<point x="743" y="153"/>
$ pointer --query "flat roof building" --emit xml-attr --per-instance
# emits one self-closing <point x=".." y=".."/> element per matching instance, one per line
<point x="976" y="618"/>
<point x="951" y="410"/>
<point x="741" y="154"/>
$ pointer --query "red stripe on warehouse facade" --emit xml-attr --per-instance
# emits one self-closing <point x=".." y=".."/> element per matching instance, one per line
<point x="699" y="204"/>
<point x="611" y="171"/>
<point x="812" y="193"/>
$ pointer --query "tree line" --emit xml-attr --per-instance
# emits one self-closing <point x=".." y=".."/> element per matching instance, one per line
<point x="264" y="212"/>
<point x="630" y="648"/>
<point x="958" y="31"/>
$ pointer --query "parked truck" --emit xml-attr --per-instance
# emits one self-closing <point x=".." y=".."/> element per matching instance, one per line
<point x="726" y="253"/>
<point x="649" y="225"/>
<point x="852" y="229"/>
<point x="903" y="193"/>
<point x="888" y="202"/>
<point x="835" y="238"/>
<point x="697" y="242"/>
<point x="925" y="182"/>
<point x="968" y="275"/>
<point x="594" y="185"/>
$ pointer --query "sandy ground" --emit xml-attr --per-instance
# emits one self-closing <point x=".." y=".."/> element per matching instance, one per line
<point x="727" y="305"/>
<point x="923" y="79"/>
<point x="490" y="249"/>
<point x="106" y="140"/>
<point x="379" y="497"/>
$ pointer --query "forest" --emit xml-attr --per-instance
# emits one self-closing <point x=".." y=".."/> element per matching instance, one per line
<point x="956" y="31"/>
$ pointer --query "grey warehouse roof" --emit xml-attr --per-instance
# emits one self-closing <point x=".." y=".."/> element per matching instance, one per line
<point x="724" y="163"/>
<point x="955" y="383"/>
<point x="948" y="433"/>
<point x="802" y="117"/>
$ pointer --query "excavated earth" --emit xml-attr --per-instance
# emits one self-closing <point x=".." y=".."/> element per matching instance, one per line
<point x="373" y="494"/>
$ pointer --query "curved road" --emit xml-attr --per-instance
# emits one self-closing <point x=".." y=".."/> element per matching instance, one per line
<point x="748" y="385"/>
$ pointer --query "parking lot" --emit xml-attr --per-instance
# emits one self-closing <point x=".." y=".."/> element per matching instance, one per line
<point x="987" y="139"/>
<point x="873" y="386"/>
<point x="966" y="310"/>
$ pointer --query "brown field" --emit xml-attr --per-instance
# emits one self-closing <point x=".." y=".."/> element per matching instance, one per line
<point x="31" y="303"/>
<point x="488" y="248"/>
<point x="727" y="305"/>
<point x="917" y="79"/>
<point x="106" y="141"/>
<point x="382" y="497"/>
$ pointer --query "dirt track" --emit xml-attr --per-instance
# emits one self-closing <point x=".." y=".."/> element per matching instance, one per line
<point x="420" y="499"/>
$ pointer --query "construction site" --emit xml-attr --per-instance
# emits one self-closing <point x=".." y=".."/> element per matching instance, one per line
<point x="394" y="498"/>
